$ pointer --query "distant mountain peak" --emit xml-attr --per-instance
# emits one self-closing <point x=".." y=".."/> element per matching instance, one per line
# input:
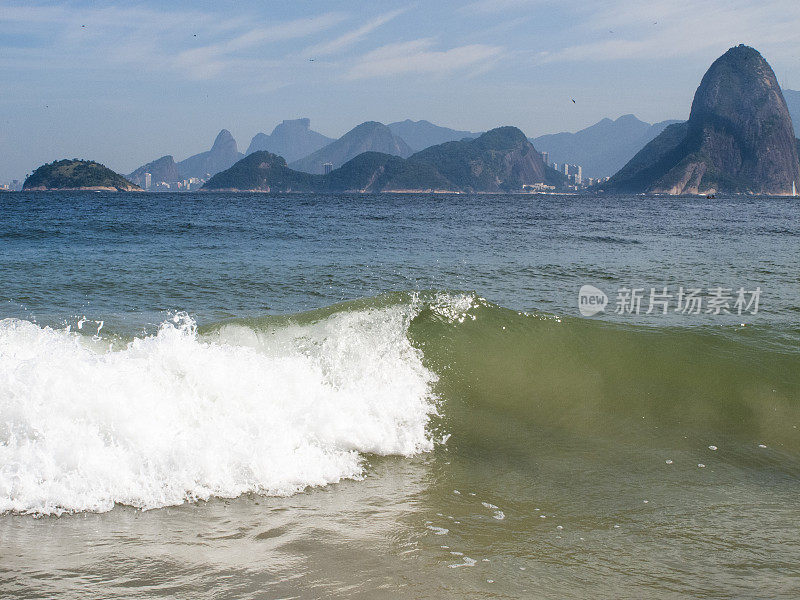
<point x="224" y="141"/>
<point x="628" y="118"/>
<point x="162" y="169"/>
<point x="291" y="139"/>
<point x="423" y="134"/>
<point x="365" y="137"/>
<point x="503" y="137"/>
<point x="600" y="149"/>
<point x="303" y="122"/>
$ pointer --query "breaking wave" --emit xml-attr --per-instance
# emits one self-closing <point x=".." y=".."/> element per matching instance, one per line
<point x="270" y="407"/>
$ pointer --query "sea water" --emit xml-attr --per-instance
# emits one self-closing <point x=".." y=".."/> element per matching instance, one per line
<point x="369" y="396"/>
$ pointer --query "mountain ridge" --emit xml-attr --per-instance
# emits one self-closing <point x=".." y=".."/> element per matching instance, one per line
<point x="499" y="160"/>
<point x="424" y="134"/>
<point x="603" y="148"/>
<point x="366" y="137"/>
<point x="292" y="139"/>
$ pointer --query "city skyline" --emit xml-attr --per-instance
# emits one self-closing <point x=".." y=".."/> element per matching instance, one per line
<point x="124" y="85"/>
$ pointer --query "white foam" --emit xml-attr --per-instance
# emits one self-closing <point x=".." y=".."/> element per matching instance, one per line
<point x="438" y="530"/>
<point x="177" y="416"/>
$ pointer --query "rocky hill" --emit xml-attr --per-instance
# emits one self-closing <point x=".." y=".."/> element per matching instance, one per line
<point x="162" y="169"/>
<point x="367" y="137"/>
<point x="263" y="172"/>
<point x="77" y="174"/>
<point x="499" y="160"/>
<point x="739" y="137"/>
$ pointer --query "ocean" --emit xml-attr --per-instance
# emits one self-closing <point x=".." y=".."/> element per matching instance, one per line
<point x="398" y="396"/>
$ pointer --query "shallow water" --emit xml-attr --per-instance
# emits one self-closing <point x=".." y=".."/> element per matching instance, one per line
<point x="394" y="396"/>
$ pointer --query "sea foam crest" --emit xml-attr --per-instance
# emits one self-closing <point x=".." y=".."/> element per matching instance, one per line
<point x="179" y="416"/>
<point x="454" y="308"/>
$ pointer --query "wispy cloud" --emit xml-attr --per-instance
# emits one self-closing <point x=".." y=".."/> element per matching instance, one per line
<point x="191" y="44"/>
<point x="351" y="37"/>
<point x="209" y="60"/>
<point x="680" y="28"/>
<point x="483" y="7"/>
<point x="417" y="56"/>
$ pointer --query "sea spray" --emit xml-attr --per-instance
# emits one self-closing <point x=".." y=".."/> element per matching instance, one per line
<point x="180" y="416"/>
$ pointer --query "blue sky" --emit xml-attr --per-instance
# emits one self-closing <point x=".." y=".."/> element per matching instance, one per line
<point x="126" y="83"/>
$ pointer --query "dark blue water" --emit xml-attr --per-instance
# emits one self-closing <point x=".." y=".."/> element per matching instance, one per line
<point x="130" y="259"/>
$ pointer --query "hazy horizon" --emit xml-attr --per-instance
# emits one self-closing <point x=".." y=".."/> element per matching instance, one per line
<point x="125" y="85"/>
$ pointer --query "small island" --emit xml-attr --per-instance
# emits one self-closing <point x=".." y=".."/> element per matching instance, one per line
<point x="77" y="174"/>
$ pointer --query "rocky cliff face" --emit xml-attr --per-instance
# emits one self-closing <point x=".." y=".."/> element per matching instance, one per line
<point x="739" y="137"/>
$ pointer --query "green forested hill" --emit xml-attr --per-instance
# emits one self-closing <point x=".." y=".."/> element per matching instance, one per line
<point x="76" y="174"/>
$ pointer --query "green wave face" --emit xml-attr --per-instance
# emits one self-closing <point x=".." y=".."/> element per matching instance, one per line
<point x="502" y="371"/>
<point x="509" y="381"/>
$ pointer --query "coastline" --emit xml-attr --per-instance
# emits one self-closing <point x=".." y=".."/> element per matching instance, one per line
<point x="95" y="188"/>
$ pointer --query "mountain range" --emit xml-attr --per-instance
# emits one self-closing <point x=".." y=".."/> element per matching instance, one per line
<point x="293" y="139"/>
<point x="370" y="136"/>
<point x="603" y="148"/>
<point x="424" y="134"/>
<point x="502" y="159"/>
<point x="223" y="153"/>
<point x="739" y="137"/>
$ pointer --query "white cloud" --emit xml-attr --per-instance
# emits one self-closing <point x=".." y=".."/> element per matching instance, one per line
<point x="207" y="61"/>
<point x="417" y="57"/>
<point x="654" y="30"/>
<point x="351" y="37"/>
<point x="155" y="41"/>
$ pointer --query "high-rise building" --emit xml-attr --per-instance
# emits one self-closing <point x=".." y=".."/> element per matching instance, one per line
<point x="566" y="169"/>
<point x="578" y="174"/>
<point x="328" y="167"/>
<point x="148" y="180"/>
<point x="546" y="158"/>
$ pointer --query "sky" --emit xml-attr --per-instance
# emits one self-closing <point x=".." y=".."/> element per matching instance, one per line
<point x="125" y="83"/>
